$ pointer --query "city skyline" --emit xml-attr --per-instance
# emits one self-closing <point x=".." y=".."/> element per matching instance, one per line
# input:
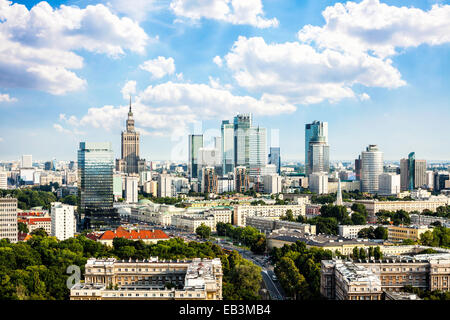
<point x="185" y="78"/>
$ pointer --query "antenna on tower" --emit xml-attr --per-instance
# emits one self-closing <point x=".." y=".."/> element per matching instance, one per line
<point x="130" y="102"/>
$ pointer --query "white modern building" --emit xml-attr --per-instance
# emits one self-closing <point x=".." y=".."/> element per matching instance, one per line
<point x="272" y="183"/>
<point x="165" y="185"/>
<point x="8" y="219"/>
<point x="389" y="184"/>
<point x="3" y="180"/>
<point x="131" y="188"/>
<point x="27" y="161"/>
<point x="371" y="169"/>
<point x="318" y="182"/>
<point x="63" y="220"/>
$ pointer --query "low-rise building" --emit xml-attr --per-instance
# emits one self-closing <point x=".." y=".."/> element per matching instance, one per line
<point x="241" y="212"/>
<point x="427" y="272"/>
<point x="400" y="233"/>
<point x="148" y="279"/>
<point x="147" y="236"/>
<point x="351" y="231"/>
<point x="268" y="224"/>
<point x="374" y="206"/>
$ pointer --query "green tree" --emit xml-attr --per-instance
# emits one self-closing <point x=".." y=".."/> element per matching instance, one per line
<point x="358" y="218"/>
<point x="203" y="231"/>
<point x="22" y="227"/>
<point x="381" y="233"/>
<point x="378" y="255"/>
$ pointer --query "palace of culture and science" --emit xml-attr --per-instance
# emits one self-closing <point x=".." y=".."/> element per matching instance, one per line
<point x="130" y="162"/>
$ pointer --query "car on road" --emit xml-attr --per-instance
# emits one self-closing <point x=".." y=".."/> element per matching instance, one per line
<point x="274" y="277"/>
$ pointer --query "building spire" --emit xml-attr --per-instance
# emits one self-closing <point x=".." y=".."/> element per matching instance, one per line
<point x="130" y="107"/>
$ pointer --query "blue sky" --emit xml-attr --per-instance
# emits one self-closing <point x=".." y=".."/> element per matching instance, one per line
<point x="377" y="71"/>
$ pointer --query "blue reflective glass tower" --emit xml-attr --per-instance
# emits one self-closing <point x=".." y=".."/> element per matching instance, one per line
<point x="95" y="190"/>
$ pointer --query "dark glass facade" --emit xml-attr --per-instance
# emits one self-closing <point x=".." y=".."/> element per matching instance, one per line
<point x="95" y="190"/>
<point x="275" y="158"/>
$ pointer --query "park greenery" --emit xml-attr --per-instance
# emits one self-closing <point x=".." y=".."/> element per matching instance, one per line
<point x="36" y="269"/>
<point x="426" y="294"/>
<point x="373" y="233"/>
<point x="398" y="217"/>
<point x="249" y="236"/>
<point x="298" y="269"/>
<point x="28" y="198"/>
<point x="203" y="231"/>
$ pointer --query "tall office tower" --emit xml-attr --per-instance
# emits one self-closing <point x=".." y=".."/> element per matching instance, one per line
<point x="242" y="124"/>
<point x="27" y="161"/>
<point x="241" y="179"/>
<point x="257" y="141"/>
<point x="209" y="180"/>
<point x="195" y="143"/>
<point x="430" y="180"/>
<point x="62" y="220"/>
<point x="314" y="130"/>
<point x="413" y="173"/>
<point x="164" y="185"/>
<point x="318" y="155"/>
<point x="227" y="146"/>
<point x="3" y="179"/>
<point x="72" y="165"/>
<point x="371" y="168"/>
<point x="358" y="168"/>
<point x="131" y="188"/>
<point x="130" y="161"/>
<point x="275" y="158"/>
<point x="8" y="219"/>
<point x="95" y="187"/>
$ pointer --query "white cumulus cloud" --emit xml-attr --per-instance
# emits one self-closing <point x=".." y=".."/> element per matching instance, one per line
<point x="169" y="108"/>
<point x="4" y="97"/>
<point x="159" y="67"/>
<point x="37" y="46"/>
<point x="239" y="12"/>
<point x="129" y="89"/>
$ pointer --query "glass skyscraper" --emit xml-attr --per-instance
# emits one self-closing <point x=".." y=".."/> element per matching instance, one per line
<point x="275" y="158"/>
<point x="315" y="131"/>
<point x="195" y="143"/>
<point x="95" y="189"/>
<point x="227" y="146"/>
<point x="318" y="155"/>
<point x="242" y="124"/>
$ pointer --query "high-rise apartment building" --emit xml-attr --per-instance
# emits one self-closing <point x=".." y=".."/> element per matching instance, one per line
<point x="275" y="158"/>
<point x="242" y="124"/>
<point x="62" y="221"/>
<point x="8" y="219"/>
<point x="317" y="131"/>
<point x="227" y="146"/>
<point x="389" y="184"/>
<point x="241" y="179"/>
<point x="209" y="180"/>
<point x="371" y="169"/>
<point x="95" y="187"/>
<point x="195" y="143"/>
<point x="131" y="188"/>
<point x="3" y="179"/>
<point x="318" y="182"/>
<point x="130" y="161"/>
<point x="413" y="173"/>
<point x="165" y="185"/>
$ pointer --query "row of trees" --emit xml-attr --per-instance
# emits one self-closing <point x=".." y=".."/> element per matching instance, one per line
<point x="36" y="269"/>
<point x="362" y="253"/>
<point x="443" y="211"/>
<point x="249" y="236"/>
<point x="398" y="217"/>
<point x="28" y="198"/>
<point x="298" y="269"/>
<point x="373" y="233"/>
<point x="439" y="237"/>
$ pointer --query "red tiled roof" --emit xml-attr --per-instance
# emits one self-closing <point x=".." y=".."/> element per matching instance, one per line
<point x="133" y="234"/>
<point x="34" y="220"/>
<point x="22" y="236"/>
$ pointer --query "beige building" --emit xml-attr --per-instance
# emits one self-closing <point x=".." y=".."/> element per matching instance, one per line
<point x="148" y="279"/>
<point x="210" y="218"/>
<point x="427" y="272"/>
<point x="241" y="212"/>
<point x="8" y="219"/>
<point x="268" y="224"/>
<point x="374" y="206"/>
<point x="400" y="233"/>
